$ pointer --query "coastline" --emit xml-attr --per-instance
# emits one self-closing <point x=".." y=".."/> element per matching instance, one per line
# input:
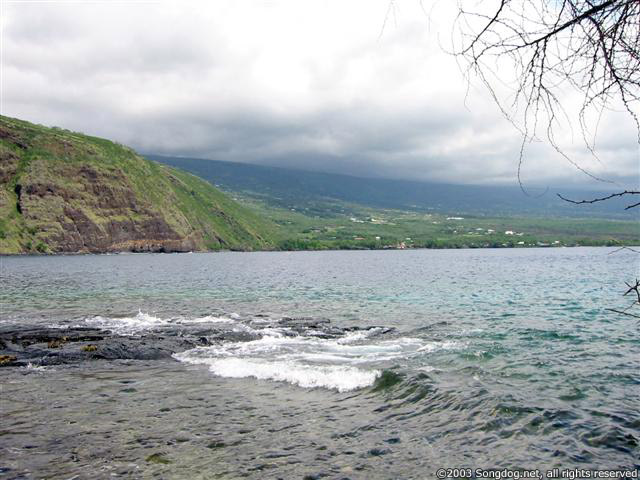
<point x="453" y="247"/>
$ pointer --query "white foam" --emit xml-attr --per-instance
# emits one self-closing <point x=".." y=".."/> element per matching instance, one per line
<point x="144" y="322"/>
<point x="206" y="319"/>
<point x="433" y="346"/>
<point x="337" y="377"/>
<point x="308" y="361"/>
<point x="275" y="345"/>
<point x="38" y="368"/>
<point x="128" y="325"/>
<point x="357" y="336"/>
<point x="261" y="320"/>
<point x="281" y="354"/>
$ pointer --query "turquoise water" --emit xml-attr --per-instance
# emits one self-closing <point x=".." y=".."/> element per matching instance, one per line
<point x="482" y="359"/>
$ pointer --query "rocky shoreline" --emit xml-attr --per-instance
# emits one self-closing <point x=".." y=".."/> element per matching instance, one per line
<point x="54" y="346"/>
<point x="45" y="346"/>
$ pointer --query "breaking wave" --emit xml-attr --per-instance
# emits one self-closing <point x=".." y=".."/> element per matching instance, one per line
<point x="338" y="377"/>
<point x="308" y="353"/>
<point x="145" y="322"/>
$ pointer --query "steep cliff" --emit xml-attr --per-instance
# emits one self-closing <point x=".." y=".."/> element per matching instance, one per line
<point x="62" y="191"/>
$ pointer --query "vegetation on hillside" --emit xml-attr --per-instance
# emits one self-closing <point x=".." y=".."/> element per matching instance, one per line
<point x="320" y="211"/>
<point x="62" y="191"/>
<point x="366" y="228"/>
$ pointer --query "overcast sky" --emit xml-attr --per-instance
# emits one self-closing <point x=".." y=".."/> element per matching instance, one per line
<point x="319" y="85"/>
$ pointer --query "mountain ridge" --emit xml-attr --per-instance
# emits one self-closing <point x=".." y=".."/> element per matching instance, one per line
<point x="295" y="188"/>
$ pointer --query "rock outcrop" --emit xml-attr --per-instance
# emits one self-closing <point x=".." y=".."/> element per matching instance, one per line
<point x="65" y="192"/>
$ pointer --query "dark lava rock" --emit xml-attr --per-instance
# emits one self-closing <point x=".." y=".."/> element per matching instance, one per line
<point x="20" y="345"/>
<point x="235" y="337"/>
<point x="53" y="346"/>
<point x="378" y="452"/>
<point x="308" y="322"/>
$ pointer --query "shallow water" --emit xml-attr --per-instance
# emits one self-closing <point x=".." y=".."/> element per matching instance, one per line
<point x="478" y="358"/>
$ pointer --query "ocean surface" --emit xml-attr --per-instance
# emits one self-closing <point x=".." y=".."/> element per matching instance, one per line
<point x="366" y="364"/>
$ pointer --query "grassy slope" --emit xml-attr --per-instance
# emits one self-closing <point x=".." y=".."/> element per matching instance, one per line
<point x="85" y="173"/>
<point x="313" y="212"/>
<point x="303" y="231"/>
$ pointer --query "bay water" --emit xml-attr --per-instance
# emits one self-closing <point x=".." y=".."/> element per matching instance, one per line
<point x="504" y="358"/>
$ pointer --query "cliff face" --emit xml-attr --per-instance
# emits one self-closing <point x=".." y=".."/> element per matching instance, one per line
<point x="65" y="192"/>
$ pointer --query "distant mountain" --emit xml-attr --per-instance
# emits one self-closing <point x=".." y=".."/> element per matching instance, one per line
<point x="62" y="191"/>
<point x="317" y="193"/>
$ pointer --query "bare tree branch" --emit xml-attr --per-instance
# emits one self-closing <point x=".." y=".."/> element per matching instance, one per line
<point x="624" y="248"/>
<point x="590" y="46"/>
<point x="602" y="199"/>
<point x="553" y="46"/>
<point x="622" y="312"/>
<point x="633" y="289"/>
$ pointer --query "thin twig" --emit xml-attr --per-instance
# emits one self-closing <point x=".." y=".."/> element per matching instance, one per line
<point x="602" y="199"/>
<point x="622" y="312"/>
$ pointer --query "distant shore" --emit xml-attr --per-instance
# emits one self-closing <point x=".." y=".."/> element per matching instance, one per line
<point x="452" y="247"/>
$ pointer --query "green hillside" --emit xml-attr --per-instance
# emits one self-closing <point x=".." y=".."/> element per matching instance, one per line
<point x="316" y="211"/>
<point x="62" y="191"/>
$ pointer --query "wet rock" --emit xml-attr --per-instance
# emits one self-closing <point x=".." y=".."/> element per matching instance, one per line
<point x="319" y="327"/>
<point x="7" y="360"/>
<point x="157" y="458"/>
<point x="133" y="350"/>
<point x="378" y="452"/>
<point x="308" y="322"/>
<point x="54" y="346"/>
<point x="215" y="445"/>
<point x="378" y="329"/>
<point x="56" y="343"/>
<point x="315" y="476"/>
<point x="25" y="336"/>
<point x="235" y="337"/>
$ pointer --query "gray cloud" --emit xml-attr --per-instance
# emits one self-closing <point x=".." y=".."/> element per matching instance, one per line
<point x="312" y="86"/>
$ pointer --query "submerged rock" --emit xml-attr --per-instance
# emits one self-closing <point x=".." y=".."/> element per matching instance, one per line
<point x="157" y="458"/>
<point x="7" y="360"/>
